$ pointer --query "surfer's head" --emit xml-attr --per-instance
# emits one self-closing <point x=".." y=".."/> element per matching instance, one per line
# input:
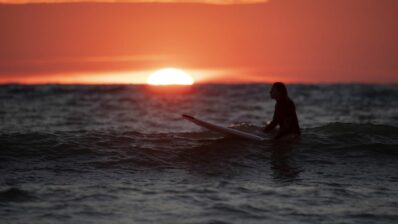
<point x="278" y="91"/>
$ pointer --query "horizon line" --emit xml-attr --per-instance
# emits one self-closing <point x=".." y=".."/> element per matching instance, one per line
<point x="195" y="84"/>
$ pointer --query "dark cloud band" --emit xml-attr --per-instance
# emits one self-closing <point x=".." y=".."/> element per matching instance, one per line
<point x="217" y="2"/>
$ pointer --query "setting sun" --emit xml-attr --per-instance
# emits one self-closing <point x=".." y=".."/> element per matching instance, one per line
<point x="170" y="76"/>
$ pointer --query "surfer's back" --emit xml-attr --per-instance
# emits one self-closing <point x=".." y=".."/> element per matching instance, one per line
<point x="287" y="116"/>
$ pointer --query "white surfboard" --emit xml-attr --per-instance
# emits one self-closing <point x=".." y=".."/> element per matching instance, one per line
<point x="221" y="129"/>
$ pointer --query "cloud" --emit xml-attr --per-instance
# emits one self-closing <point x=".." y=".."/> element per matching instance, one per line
<point x="99" y="59"/>
<point x="82" y="64"/>
<point x="216" y="2"/>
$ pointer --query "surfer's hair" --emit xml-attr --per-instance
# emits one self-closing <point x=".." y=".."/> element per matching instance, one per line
<point x="280" y="87"/>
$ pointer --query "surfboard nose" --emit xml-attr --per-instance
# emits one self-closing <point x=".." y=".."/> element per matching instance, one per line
<point x="187" y="116"/>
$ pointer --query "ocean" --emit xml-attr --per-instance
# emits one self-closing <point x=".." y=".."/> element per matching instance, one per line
<point x="123" y="154"/>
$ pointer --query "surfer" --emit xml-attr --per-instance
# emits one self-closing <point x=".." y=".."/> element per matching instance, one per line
<point x="284" y="114"/>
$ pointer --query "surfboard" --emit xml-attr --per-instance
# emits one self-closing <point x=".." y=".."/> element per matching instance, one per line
<point x="223" y="130"/>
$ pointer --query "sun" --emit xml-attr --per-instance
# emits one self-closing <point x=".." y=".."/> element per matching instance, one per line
<point x="169" y="76"/>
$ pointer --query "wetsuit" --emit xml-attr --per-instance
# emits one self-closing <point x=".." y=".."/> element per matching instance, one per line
<point x="285" y="116"/>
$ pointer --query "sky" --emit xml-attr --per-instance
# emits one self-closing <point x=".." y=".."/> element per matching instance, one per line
<point x="227" y="41"/>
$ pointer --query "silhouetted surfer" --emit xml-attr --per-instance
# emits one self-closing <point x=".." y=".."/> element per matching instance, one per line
<point x="285" y="113"/>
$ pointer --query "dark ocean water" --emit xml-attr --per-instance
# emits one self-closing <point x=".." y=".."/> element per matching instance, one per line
<point x="123" y="154"/>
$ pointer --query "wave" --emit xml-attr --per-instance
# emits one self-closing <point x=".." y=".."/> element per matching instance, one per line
<point x="135" y="150"/>
<point x="353" y="136"/>
<point x="349" y="128"/>
<point x="14" y="194"/>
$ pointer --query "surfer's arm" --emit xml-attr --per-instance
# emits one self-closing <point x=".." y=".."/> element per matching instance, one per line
<point x="270" y="126"/>
<point x="273" y="123"/>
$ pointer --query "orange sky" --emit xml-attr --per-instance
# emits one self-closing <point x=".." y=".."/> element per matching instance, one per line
<point x="287" y="40"/>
